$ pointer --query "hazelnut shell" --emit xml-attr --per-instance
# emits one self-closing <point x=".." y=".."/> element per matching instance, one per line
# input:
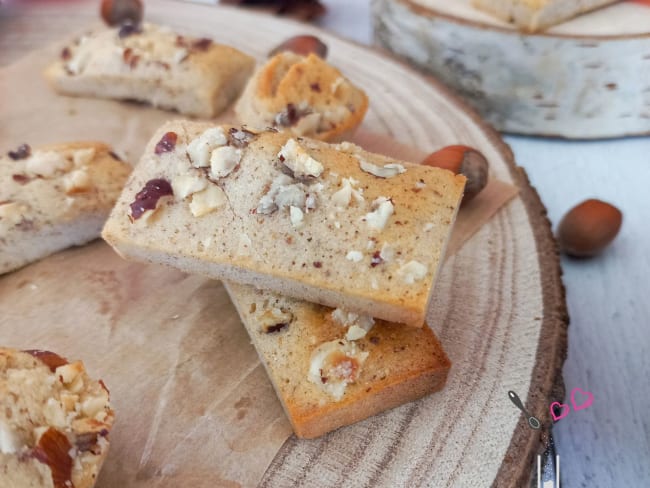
<point x="462" y="160"/>
<point x="303" y="45"/>
<point x="588" y="228"/>
<point x="117" y="12"/>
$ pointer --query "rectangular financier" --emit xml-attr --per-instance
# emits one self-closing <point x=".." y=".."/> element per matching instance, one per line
<point x="329" y="224"/>
<point x="331" y="368"/>
<point x="152" y="64"/>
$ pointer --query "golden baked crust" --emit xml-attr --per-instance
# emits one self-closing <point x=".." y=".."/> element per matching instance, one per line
<point x="304" y="95"/>
<point x="536" y="15"/>
<point x="54" y="198"/>
<point x="402" y="363"/>
<point x="54" y="421"/>
<point x="155" y="65"/>
<point x="296" y="216"/>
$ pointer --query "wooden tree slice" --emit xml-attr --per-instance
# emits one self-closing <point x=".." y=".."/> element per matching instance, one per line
<point x="499" y="307"/>
<point x="586" y="78"/>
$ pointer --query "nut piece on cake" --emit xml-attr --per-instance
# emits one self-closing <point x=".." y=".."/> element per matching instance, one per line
<point x="54" y="421"/>
<point x="54" y="197"/>
<point x="325" y="223"/>
<point x="152" y="64"/>
<point x="304" y="95"/>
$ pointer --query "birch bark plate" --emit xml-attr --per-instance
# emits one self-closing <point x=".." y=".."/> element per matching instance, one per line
<point x="586" y="78"/>
<point x="499" y="306"/>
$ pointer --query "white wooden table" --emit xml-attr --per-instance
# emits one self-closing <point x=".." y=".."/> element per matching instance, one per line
<point x="607" y="445"/>
<point x="609" y="348"/>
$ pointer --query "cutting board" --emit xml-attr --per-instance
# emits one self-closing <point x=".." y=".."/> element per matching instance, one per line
<point x="586" y="78"/>
<point x="498" y="309"/>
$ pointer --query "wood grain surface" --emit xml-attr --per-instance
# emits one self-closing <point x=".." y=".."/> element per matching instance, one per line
<point x="499" y="308"/>
<point x="584" y="79"/>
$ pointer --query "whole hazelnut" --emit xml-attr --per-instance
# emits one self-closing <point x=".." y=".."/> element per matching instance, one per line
<point x="588" y="228"/>
<point x="303" y="45"/>
<point x="117" y="12"/>
<point x="462" y="160"/>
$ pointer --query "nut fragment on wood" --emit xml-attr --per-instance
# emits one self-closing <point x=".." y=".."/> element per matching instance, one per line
<point x="588" y="228"/>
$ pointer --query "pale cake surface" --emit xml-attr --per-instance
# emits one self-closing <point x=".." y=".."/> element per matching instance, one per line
<point x="57" y="197"/>
<point x="401" y="365"/>
<point x="155" y="65"/>
<point x="305" y="95"/>
<point x="54" y="421"/>
<point x="324" y="249"/>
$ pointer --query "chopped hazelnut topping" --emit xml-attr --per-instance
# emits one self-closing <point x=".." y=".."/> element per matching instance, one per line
<point x="47" y="164"/>
<point x="240" y="137"/>
<point x="299" y="161"/>
<point x="412" y="271"/>
<point x="297" y="217"/>
<point x="386" y="171"/>
<point x="200" y="149"/>
<point x="77" y="181"/>
<point x="23" y="151"/>
<point x="208" y="200"/>
<point x="382" y="209"/>
<point x="185" y="185"/>
<point x="428" y="226"/>
<point x="50" y="359"/>
<point x="223" y="160"/>
<point x="334" y="365"/>
<point x="167" y="143"/>
<point x="82" y="157"/>
<point x="358" y="325"/>
<point x="354" y="256"/>
<point x="342" y="197"/>
<point x="274" y="320"/>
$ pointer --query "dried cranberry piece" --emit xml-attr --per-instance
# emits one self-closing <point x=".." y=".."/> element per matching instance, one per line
<point x="21" y="179"/>
<point x="49" y="358"/>
<point x="318" y="264"/>
<point x="315" y="87"/>
<point x="114" y="156"/>
<point x="202" y="44"/>
<point x="128" y="29"/>
<point x="66" y="53"/>
<point x="376" y="259"/>
<point x="23" y="151"/>
<point x="166" y="143"/>
<point x="147" y="198"/>
<point x="53" y="449"/>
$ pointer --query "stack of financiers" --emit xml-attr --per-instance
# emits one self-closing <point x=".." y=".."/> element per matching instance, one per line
<point x="328" y="252"/>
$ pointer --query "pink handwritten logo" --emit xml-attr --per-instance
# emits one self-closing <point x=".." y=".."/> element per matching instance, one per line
<point x="564" y="408"/>
<point x="580" y="399"/>
<point x="586" y="403"/>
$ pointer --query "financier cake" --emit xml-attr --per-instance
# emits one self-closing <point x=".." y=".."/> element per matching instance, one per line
<point x="304" y="95"/>
<point x="326" y="223"/>
<point x="54" y="421"/>
<point x="153" y="64"/>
